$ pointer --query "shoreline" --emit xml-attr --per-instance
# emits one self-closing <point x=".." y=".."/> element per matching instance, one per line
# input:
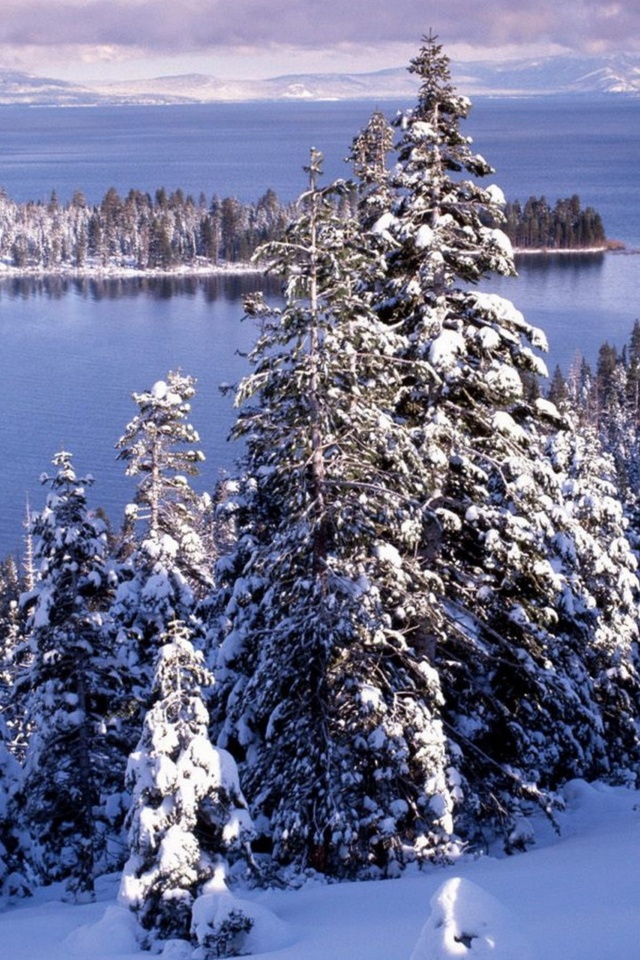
<point x="611" y="246"/>
<point x="560" y="251"/>
<point x="9" y="271"/>
<point x="113" y="272"/>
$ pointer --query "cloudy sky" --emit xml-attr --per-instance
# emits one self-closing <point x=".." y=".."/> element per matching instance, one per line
<point x="125" y="39"/>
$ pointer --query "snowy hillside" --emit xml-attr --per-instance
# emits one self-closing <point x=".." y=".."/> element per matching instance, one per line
<point x="551" y="75"/>
<point x="569" y="898"/>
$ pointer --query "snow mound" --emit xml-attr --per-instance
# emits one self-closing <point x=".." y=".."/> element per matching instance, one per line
<point x="115" y="932"/>
<point x="212" y="910"/>
<point x="589" y="805"/>
<point x="176" y="950"/>
<point x="467" y="921"/>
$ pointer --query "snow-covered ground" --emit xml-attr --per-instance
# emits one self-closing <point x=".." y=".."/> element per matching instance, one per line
<point x="572" y="897"/>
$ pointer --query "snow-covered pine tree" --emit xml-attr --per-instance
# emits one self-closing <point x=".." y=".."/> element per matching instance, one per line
<point x="150" y="593"/>
<point x="323" y="692"/>
<point x="606" y="407"/>
<point x="13" y="879"/>
<point x="10" y="633"/>
<point x="188" y="818"/>
<point x="598" y="602"/>
<point x="442" y="232"/>
<point x="369" y="153"/>
<point x="12" y="730"/>
<point x="70" y="680"/>
<point x="160" y="448"/>
<point x="612" y="406"/>
<point x="534" y="586"/>
<point x="520" y="704"/>
<point x="164" y="562"/>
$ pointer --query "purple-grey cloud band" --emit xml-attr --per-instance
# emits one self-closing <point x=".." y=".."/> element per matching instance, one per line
<point x="198" y="25"/>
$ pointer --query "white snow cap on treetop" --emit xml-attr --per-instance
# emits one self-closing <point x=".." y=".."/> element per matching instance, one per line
<point x="159" y="389"/>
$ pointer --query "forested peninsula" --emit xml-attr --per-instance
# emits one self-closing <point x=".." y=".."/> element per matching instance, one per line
<point x="166" y="232"/>
<point x="536" y="226"/>
<point x="171" y="232"/>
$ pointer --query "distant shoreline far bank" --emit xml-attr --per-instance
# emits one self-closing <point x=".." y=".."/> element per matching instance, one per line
<point x="106" y="272"/>
<point x="611" y="246"/>
<point x="90" y="272"/>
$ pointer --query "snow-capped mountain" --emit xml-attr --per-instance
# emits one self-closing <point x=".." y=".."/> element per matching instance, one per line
<point x="551" y="75"/>
<point x="201" y="88"/>
<point x="25" y="88"/>
<point x="570" y="75"/>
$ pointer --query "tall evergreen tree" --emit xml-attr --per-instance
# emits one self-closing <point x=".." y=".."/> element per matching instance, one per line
<point x="442" y="576"/>
<point x="14" y="872"/>
<point x="323" y="692"/>
<point x="160" y="448"/>
<point x="165" y="562"/>
<point x="519" y="699"/>
<point x="163" y="566"/>
<point x="10" y="629"/>
<point x="71" y="679"/>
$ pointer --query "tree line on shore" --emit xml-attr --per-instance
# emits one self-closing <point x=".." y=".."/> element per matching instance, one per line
<point x="172" y="230"/>
<point x="537" y="225"/>
<point x="141" y="232"/>
<point x="408" y="617"/>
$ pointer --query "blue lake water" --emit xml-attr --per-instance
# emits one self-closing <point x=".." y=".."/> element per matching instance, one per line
<point x="72" y="353"/>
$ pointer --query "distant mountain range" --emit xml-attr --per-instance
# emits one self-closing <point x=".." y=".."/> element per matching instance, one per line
<point x="570" y="75"/>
